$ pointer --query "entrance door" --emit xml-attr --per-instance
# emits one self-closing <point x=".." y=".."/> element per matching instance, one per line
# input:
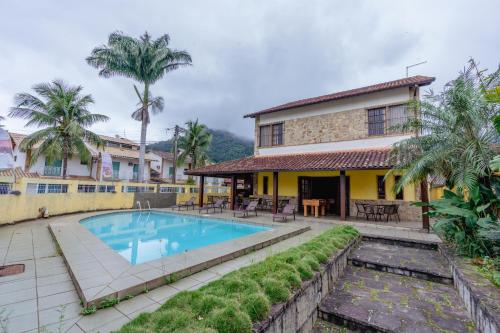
<point x="327" y="188"/>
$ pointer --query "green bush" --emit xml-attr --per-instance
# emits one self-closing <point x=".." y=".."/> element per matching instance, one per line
<point x="257" y="306"/>
<point x="230" y="320"/>
<point x="231" y="303"/>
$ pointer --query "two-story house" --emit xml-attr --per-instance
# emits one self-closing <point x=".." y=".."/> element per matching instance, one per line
<point x="163" y="164"/>
<point x="334" y="147"/>
<point x="124" y="154"/>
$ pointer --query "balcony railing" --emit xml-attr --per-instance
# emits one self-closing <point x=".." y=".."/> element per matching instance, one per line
<point x="116" y="174"/>
<point x="135" y="176"/>
<point x="51" y="171"/>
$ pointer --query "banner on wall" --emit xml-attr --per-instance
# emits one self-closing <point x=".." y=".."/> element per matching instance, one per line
<point x="6" y="157"/>
<point x="107" y="166"/>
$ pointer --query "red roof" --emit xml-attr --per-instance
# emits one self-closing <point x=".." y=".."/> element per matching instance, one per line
<point x="409" y="81"/>
<point x="18" y="173"/>
<point x="339" y="160"/>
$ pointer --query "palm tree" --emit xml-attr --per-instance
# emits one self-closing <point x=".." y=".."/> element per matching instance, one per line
<point x="63" y="113"/>
<point x="144" y="60"/>
<point x="194" y="144"/>
<point x="456" y="135"/>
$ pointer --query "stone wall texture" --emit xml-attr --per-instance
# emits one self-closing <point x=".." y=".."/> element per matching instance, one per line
<point x="406" y="211"/>
<point x="340" y="126"/>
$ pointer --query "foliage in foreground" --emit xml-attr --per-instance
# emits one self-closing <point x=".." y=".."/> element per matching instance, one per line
<point x="233" y="302"/>
<point x="470" y="221"/>
<point x="489" y="268"/>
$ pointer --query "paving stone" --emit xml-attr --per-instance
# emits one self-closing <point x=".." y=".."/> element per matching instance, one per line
<point x="407" y="258"/>
<point x="22" y="323"/>
<point x="395" y="303"/>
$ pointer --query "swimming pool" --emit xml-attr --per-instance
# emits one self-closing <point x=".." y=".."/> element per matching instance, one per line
<point x="144" y="236"/>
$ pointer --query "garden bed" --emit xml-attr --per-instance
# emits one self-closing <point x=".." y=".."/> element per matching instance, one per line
<point x="481" y="297"/>
<point x="279" y="294"/>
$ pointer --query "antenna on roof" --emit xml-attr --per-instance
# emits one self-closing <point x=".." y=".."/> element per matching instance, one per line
<point x="410" y="66"/>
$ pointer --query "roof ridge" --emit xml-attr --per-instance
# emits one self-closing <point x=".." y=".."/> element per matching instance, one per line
<point x="421" y="80"/>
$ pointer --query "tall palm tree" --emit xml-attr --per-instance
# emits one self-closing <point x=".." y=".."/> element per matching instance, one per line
<point x="194" y="144"/>
<point x="63" y="113"/>
<point x="457" y="137"/>
<point x="145" y="61"/>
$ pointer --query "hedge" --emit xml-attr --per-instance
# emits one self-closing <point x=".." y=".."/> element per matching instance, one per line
<point x="233" y="302"/>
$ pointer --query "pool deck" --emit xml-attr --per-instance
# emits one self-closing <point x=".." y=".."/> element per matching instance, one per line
<point x="100" y="273"/>
<point x="45" y="298"/>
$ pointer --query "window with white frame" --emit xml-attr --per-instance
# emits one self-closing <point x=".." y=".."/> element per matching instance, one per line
<point x="84" y="188"/>
<point x="36" y="188"/>
<point x="107" y="188"/>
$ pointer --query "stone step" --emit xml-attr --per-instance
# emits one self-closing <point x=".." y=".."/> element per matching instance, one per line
<point x="366" y="300"/>
<point x="321" y="326"/>
<point x="424" y="242"/>
<point x="415" y="262"/>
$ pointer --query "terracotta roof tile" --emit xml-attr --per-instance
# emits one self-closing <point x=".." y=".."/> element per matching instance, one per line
<point x="19" y="173"/>
<point x="409" y="81"/>
<point x="339" y="160"/>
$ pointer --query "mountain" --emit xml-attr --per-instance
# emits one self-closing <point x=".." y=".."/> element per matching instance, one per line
<point x="225" y="146"/>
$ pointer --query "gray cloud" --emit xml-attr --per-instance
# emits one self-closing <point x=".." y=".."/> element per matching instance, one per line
<point x="247" y="55"/>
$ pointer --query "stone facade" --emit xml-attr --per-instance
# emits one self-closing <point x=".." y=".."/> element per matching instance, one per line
<point x="339" y="126"/>
<point x="406" y="211"/>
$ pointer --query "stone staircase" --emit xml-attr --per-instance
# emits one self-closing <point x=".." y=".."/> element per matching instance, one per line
<point x="391" y="286"/>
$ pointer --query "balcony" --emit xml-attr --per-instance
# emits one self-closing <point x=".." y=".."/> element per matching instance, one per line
<point x="52" y="171"/>
<point x="116" y="175"/>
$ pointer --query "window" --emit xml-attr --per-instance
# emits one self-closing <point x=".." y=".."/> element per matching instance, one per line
<point x="167" y="189"/>
<point x="34" y="188"/>
<point x="382" y="120"/>
<point x="170" y="171"/>
<point x="194" y="190"/>
<point x="376" y="121"/>
<point x="4" y="188"/>
<point x="86" y="188"/>
<point x="271" y="135"/>
<point x="106" y="188"/>
<point x="380" y="187"/>
<point x="133" y="189"/>
<point x="399" y="195"/>
<point x="57" y="188"/>
<point x="265" y="185"/>
<point x="116" y="170"/>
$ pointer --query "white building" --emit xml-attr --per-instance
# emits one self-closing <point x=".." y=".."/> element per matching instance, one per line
<point x="124" y="154"/>
<point x="163" y="163"/>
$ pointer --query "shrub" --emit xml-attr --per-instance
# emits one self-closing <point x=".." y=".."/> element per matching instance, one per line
<point x="275" y="290"/>
<point x="257" y="306"/>
<point x="230" y="320"/>
<point x="305" y="270"/>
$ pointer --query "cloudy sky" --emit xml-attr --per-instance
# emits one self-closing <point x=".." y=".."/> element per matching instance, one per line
<point x="247" y="55"/>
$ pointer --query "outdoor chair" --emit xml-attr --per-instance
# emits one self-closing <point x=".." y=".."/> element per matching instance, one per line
<point x="219" y="204"/>
<point x="187" y="204"/>
<point x="245" y="212"/>
<point x="391" y="211"/>
<point x="360" y="210"/>
<point x="370" y="211"/>
<point x="288" y="210"/>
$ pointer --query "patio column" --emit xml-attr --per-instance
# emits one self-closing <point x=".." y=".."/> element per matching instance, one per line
<point x="202" y="190"/>
<point x="233" y="191"/>
<point x="424" y="197"/>
<point x="275" y="192"/>
<point x="342" y="195"/>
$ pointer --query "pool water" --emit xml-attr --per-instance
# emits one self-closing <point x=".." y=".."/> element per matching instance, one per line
<point x="144" y="236"/>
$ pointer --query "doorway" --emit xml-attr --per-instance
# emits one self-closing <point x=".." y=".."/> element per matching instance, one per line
<point x="327" y="188"/>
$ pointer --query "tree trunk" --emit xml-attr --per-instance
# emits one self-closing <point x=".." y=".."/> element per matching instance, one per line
<point x="65" y="160"/>
<point x="144" y="127"/>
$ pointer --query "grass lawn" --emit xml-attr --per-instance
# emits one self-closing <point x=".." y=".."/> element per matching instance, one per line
<point x="235" y="301"/>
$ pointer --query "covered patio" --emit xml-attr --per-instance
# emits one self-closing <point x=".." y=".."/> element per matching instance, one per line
<point x="338" y="183"/>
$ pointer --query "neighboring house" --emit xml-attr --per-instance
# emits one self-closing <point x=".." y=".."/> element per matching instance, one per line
<point x="124" y="154"/>
<point x="163" y="163"/>
<point x="334" y="147"/>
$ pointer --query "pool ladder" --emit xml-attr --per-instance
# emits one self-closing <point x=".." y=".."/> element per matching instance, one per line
<point x="138" y="205"/>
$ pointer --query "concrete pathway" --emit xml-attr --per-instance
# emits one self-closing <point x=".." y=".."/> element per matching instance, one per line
<point x="43" y="298"/>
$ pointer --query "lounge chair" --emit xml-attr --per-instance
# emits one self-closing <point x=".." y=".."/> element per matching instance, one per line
<point x="288" y="210"/>
<point x="244" y="212"/>
<point x="187" y="204"/>
<point x="218" y="204"/>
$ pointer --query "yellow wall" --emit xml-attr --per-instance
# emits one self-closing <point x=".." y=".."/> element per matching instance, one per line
<point x="363" y="183"/>
<point x="436" y="193"/>
<point x="25" y="206"/>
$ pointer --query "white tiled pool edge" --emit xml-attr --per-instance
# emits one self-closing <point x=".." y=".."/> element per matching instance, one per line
<point x="99" y="273"/>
